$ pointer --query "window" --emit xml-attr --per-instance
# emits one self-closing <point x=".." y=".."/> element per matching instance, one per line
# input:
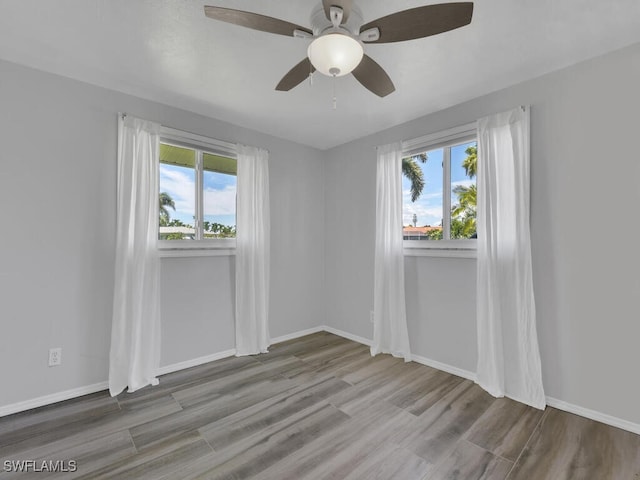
<point x="197" y="192"/>
<point x="439" y="190"/>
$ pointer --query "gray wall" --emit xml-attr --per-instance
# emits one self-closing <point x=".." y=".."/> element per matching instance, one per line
<point x="57" y="192"/>
<point x="585" y="188"/>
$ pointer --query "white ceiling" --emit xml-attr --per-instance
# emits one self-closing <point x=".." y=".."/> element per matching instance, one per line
<point x="168" y="51"/>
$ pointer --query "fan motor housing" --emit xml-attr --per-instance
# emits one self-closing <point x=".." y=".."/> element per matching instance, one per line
<point x="320" y="23"/>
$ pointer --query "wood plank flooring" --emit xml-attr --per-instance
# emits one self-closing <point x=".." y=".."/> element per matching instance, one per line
<point x="318" y="407"/>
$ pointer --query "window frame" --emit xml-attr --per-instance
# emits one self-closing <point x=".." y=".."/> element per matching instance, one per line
<point x="443" y="139"/>
<point x="199" y="246"/>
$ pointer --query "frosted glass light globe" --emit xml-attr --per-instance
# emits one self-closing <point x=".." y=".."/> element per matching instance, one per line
<point x="335" y="54"/>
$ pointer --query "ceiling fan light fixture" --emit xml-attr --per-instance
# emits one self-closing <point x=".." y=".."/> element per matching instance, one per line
<point x="335" y="54"/>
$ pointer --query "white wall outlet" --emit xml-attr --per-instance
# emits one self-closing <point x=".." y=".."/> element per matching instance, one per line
<point x="55" y="356"/>
<point x="371" y="316"/>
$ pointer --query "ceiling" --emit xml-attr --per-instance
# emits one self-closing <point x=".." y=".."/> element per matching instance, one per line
<point x="168" y="51"/>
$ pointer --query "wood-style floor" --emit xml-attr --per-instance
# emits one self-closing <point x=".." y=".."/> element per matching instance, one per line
<point x="318" y="407"/>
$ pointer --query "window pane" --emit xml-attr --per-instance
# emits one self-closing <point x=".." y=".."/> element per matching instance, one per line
<point x="177" y="193"/>
<point x="463" y="190"/>
<point x="422" y="196"/>
<point x="219" y="180"/>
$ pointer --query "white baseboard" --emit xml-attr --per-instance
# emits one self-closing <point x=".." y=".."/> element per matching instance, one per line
<point x="459" y="372"/>
<point x="231" y="352"/>
<point x="196" y="361"/>
<point x="416" y="358"/>
<point x="299" y="334"/>
<point x="52" y="398"/>
<point x="594" y="415"/>
<point x="347" y="335"/>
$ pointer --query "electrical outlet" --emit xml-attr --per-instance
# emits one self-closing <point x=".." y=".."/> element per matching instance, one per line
<point x="371" y="316"/>
<point x="55" y="356"/>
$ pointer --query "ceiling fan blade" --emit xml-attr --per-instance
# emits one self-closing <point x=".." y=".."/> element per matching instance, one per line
<point x="345" y="5"/>
<point x="296" y="76"/>
<point x="254" y="21"/>
<point x="373" y="77"/>
<point x="421" y="22"/>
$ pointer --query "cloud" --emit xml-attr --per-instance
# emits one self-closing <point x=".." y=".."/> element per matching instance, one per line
<point x="427" y="213"/>
<point x="181" y="187"/>
<point x="431" y="215"/>
<point x="220" y="201"/>
<point x="428" y="208"/>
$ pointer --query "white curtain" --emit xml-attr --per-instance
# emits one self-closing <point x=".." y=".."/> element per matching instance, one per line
<point x="390" y="334"/>
<point x="508" y="354"/>
<point x="252" y="252"/>
<point x="135" y="334"/>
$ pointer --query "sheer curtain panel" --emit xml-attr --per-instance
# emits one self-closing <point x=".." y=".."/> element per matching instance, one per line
<point x="135" y="333"/>
<point x="508" y="353"/>
<point x="390" y="334"/>
<point x="252" y="252"/>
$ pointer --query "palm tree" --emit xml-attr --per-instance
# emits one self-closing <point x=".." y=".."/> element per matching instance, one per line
<point x="165" y="201"/>
<point x="464" y="213"/>
<point x="467" y="198"/>
<point x="471" y="162"/>
<point x="411" y="169"/>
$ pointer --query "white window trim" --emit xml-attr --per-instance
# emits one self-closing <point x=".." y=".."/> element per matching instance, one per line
<point x="442" y="139"/>
<point x="445" y="248"/>
<point x="198" y="250"/>
<point x="198" y="141"/>
<point x="198" y="247"/>
<point x="434" y="140"/>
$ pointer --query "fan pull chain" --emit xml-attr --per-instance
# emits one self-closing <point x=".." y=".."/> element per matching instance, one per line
<point x="335" y="103"/>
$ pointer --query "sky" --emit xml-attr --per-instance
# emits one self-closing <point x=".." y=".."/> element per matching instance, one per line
<point x="219" y="194"/>
<point x="428" y="208"/>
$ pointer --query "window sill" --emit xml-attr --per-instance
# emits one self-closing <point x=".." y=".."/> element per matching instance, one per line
<point x="201" y="248"/>
<point x="440" y="248"/>
<point x="196" y="252"/>
<point x="440" y="252"/>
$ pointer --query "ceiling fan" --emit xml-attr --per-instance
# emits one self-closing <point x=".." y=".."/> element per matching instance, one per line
<point x="338" y="35"/>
